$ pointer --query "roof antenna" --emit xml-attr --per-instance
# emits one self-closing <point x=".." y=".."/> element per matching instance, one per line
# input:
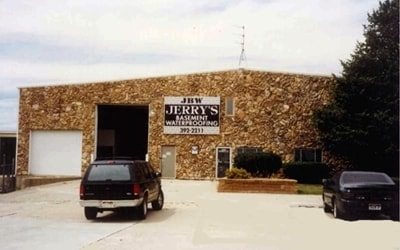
<point x="242" y="57"/>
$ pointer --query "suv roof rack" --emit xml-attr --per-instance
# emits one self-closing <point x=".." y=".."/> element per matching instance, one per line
<point x="128" y="158"/>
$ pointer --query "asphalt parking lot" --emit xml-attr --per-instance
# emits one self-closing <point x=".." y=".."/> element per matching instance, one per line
<point x="195" y="216"/>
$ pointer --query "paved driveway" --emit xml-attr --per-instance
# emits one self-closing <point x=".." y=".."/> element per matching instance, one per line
<point x="195" y="216"/>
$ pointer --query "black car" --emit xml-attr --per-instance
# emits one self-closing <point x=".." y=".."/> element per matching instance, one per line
<point x="118" y="184"/>
<point x="353" y="193"/>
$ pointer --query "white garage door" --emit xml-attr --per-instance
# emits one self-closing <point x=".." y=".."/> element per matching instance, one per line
<point x="55" y="153"/>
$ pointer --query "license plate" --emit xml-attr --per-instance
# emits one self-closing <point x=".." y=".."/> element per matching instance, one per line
<point x="374" y="207"/>
<point x="107" y="204"/>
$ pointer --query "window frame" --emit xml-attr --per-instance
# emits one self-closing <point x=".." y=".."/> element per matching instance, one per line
<point x="242" y="149"/>
<point x="317" y="152"/>
<point x="232" y="100"/>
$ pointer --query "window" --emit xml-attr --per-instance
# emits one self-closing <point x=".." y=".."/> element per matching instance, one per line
<point x="229" y="106"/>
<point x="109" y="173"/>
<point x="246" y="149"/>
<point x="360" y="177"/>
<point x="139" y="176"/>
<point x="146" y="170"/>
<point x="150" y="168"/>
<point x="307" y="155"/>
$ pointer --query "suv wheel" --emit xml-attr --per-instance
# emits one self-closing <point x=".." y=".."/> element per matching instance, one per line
<point x="339" y="214"/>
<point x="336" y="212"/>
<point x="327" y="209"/>
<point x="90" y="213"/>
<point x="159" y="202"/>
<point x="142" y="209"/>
<point x="395" y="216"/>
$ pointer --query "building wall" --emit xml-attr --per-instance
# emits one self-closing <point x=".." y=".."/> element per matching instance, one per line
<point x="272" y="111"/>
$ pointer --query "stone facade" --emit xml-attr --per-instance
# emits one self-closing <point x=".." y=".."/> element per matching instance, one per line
<point x="272" y="111"/>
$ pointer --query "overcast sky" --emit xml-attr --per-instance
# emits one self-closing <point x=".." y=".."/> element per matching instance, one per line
<point x="48" y="42"/>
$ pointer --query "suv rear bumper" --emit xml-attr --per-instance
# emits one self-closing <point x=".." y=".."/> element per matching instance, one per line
<point x="109" y="204"/>
<point x="360" y="207"/>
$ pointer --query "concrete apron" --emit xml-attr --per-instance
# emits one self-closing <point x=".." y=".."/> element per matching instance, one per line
<point x="195" y="216"/>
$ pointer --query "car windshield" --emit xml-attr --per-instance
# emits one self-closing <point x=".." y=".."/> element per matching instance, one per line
<point x="109" y="173"/>
<point x="365" y="178"/>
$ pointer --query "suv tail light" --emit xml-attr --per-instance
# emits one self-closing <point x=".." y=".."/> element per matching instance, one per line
<point x="348" y="194"/>
<point x="136" y="189"/>
<point x="82" y="191"/>
<point x="387" y="198"/>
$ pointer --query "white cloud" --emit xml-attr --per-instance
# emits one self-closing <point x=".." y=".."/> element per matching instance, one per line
<point x="145" y="26"/>
<point x="8" y="111"/>
<point x="46" y="41"/>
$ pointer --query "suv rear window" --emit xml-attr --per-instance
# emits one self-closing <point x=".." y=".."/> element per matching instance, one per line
<point x="109" y="173"/>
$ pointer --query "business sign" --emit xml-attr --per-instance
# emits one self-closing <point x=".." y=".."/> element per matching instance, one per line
<point x="191" y="115"/>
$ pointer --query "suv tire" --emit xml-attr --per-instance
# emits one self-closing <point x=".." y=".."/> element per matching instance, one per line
<point x="90" y="213"/>
<point x="336" y="211"/>
<point x="159" y="202"/>
<point x="327" y="209"/>
<point x="395" y="216"/>
<point x="142" y="209"/>
<point x="339" y="214"/>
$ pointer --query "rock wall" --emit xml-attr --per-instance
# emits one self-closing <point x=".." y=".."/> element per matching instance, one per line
<point x="272" y="111"/>
<point x="278" y="186"/>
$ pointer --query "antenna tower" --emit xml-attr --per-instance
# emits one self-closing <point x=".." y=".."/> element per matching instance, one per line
<point x="242" y="57"/>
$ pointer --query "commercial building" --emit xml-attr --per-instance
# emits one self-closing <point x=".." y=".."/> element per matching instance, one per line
<point x="187" y="126"/>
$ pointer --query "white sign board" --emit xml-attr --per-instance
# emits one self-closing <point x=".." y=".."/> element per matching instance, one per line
<point x="191" y="115"/>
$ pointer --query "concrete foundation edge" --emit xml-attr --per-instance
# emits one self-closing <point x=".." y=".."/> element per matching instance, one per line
<point x="23" y="182"/>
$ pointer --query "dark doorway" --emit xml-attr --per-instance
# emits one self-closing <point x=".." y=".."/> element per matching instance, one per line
<point x="7" y="164"/>
<point x="122" y="131"/>
<point x="7" y="154"/>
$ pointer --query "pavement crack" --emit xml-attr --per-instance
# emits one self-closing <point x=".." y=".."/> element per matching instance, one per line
<point x="306" y="205"/>
<point x="111" y="234"/>
<point x="6" y="215"/>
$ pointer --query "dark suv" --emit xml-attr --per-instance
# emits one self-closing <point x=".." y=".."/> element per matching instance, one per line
<point x="116" y="184"/>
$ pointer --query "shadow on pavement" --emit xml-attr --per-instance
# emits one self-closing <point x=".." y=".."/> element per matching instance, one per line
<point x="372" y="217"/>
<point x="129" y="215"/>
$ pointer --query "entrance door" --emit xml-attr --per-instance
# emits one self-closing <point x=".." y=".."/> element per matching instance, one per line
<point x="168" y="160"/>
<point x="223" y="161"/>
